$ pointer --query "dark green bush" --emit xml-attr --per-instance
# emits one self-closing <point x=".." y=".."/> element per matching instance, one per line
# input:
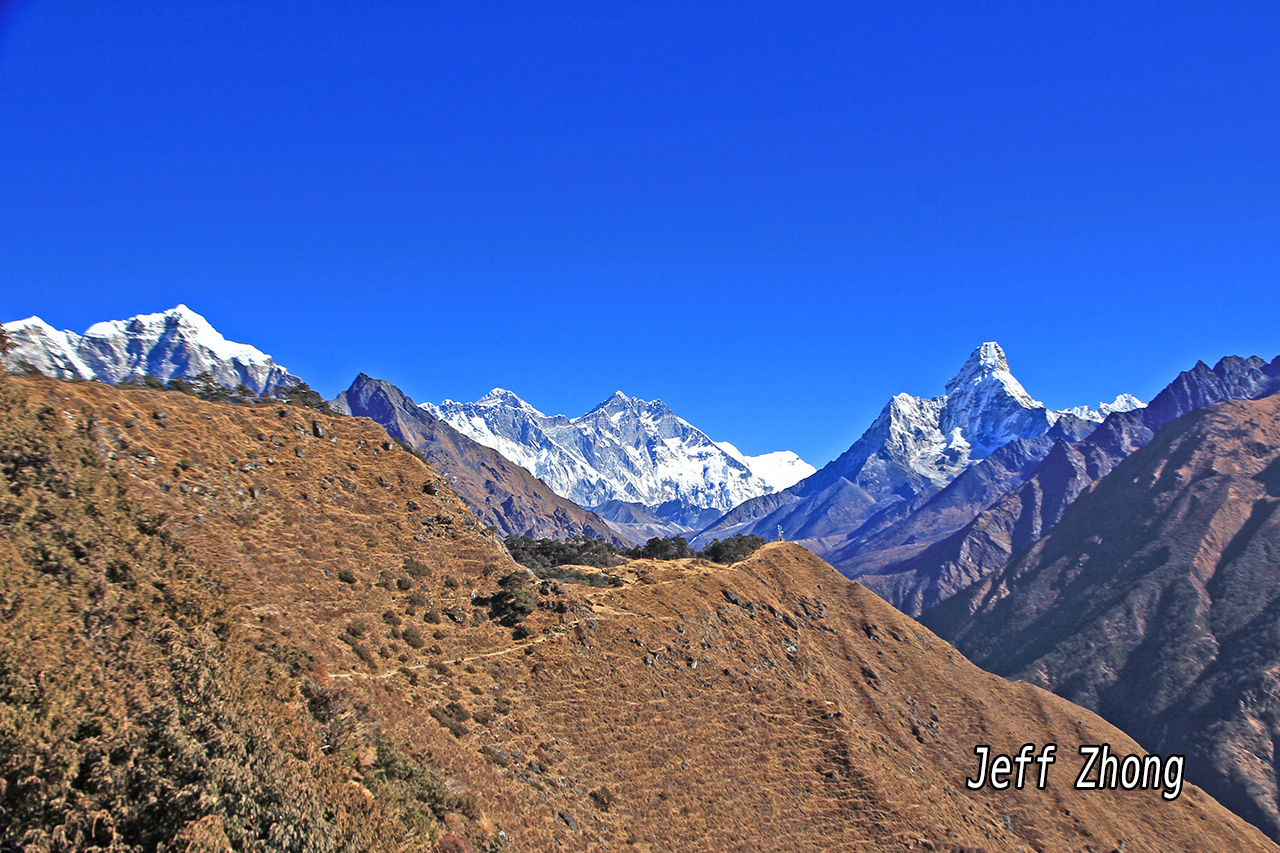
<point x="733" y="549"/>
<point x="510" y="606"/>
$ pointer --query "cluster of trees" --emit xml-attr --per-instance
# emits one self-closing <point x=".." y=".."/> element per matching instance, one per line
<point x="733" y="549"/>
<point x="206" y="387"/>
<point x="538" y="554"/>
<point x="730" y="550"/>
<point x="544" y="555"/>
<point x="514" y="600"/>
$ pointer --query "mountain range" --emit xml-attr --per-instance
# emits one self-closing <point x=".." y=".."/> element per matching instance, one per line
<point x="633" y="461"/>
<point x="178" y="343"/>
<point x="641" y="468"/>
<point x="1122" y="557"/>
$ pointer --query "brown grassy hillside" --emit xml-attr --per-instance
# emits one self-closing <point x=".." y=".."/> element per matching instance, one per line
<point x="307" y="607"/>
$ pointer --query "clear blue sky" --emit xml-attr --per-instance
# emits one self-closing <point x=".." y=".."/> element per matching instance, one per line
<point x="772" y="216"/>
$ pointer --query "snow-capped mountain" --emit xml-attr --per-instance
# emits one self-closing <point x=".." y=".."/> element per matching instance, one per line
<point x="915" y="447"/>
<point x="780" y="469"/>
<point x="1122" y="403"/>
<point x="175" y="343"/>
<point x="624" y="450"/>
<point x="984" y="408"/>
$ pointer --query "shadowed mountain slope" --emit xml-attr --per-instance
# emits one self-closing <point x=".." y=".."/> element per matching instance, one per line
<point x="917" y="575"/>
<point x="1156" y="602"/>
<point x="497" y="490"/>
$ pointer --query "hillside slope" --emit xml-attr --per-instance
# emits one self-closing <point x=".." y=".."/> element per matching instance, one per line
<point x="769" y="705"/>
<point x="1156" y="602"/>
<point x="134" y="712"/>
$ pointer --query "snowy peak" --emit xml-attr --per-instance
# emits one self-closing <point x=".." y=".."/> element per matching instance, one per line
<point x="989" y="357"/>
<point x="503" y="397"/>
<point x="34" y="324"/>
<point x="625" y="450"/>
<point x="619" y="399"/>
<point x="178" y="324"/>
<point x="178" y="343"/>
<point x="51" y="351"/>
<point x="985" y="376"/>
<point x="929" y="441"/>
<point x="914" y="448"/>
<point x="1122" y="403"/>
<point x="621" y="408"/>
<point x="781" y="469"/>
<point x="621" y="403"/>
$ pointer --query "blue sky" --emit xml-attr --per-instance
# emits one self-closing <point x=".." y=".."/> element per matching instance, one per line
<point x="772" y="216"/>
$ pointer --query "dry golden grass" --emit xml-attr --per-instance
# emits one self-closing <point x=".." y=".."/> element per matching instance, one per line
<point x="769" y="705"/>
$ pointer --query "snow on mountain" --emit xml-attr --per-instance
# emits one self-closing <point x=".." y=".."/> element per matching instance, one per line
<point x="984" y="408"/>
<point x="780" y="469"/>
<point x="625" y="450"/>
<point x="175" y="343"/>
<point x="52" y="352"/>
<point x="914" y="448"/>
<point x="1122" y="403"/>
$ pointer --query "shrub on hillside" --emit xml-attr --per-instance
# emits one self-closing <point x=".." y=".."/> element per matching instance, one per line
<point x="514" y="601"/>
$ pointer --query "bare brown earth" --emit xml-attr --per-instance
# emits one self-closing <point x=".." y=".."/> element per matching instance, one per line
<point x="769" y="705"/>
<point x="1155" y="602"/>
